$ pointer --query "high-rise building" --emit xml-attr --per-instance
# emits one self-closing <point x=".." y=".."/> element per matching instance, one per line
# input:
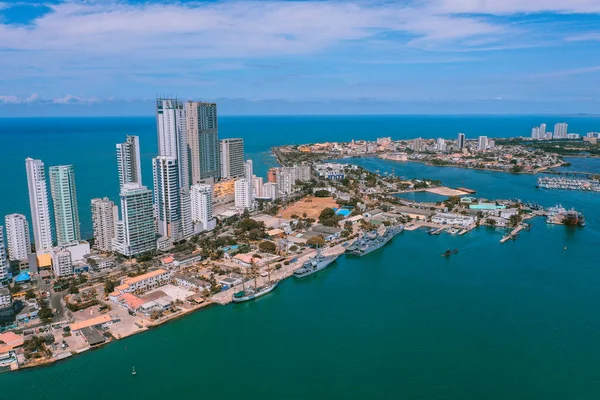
<point x="64" y="198"/>
<point x="202" y="207"/>
<point x="542" y="131"/>
<point x="560" y="130"/>
<point x="135" y="231"/>
<point x="203" y="140"/>
<point x="243" y="194"/>
<point x="535" y="133"/>
<point x="128" y="161"/>
<point x="62" y="263"/>
<point x="17" y="235"/>
<point x="285" y="180"/>
<point x="257" y="184"/>
<point x="167" y="197"/>
<point x="482" y="143"/>
<point x="303" y="172"/>
<point x="270" y="191"/>
<point x="440" y="145"/>
<point x="272" y="174"/>
<point x="105" y="215"/>
<point x="232" y="158"/>
<point x="39" y="204"/>
<point x="172" y="139"/>
<point x="4" y="265"/>
<point x="417" y="145"/>
<point x="462" y="141"/>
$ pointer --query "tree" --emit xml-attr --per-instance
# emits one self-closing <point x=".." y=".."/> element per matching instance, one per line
<point x="267" y="247"/>
<point x="491" y="222"/>
<point x="322" y="193"/>
<point x="316" y="241"/>
<point x="30" y="294"/>
<point x="514" y="220"/>
<point x="256" y="234"/>
<point x="109" y="286"/>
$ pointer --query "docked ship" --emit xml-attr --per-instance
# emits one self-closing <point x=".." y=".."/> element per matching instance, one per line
<point x="574" y="218"/>
<point x="315" y="264"/>
<point x="253" y="292"/>
<point x="373" y="241"/>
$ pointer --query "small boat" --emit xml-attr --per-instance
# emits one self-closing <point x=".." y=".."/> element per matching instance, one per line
<point x="449" y="252"/>
<point x="133" y="371"/>
<point x="253" y="292"/>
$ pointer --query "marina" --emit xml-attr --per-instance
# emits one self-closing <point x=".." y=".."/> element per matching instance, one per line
<point x="568" y="184"/>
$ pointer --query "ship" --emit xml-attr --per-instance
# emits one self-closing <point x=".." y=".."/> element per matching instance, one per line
<point x="574" y="218"/>
<point x="373" y="241"/>
<point x="315" y="264"/>
<point x="253" y="292"/>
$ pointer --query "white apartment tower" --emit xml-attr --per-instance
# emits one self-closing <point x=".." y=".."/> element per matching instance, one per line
<point x="172" y="142"/>
<point x="560" y="130"/>
<point x="243" y="194"/>
<point x="17" y="235"/>
<point x="39" y="204"/>
<point x="4" y="265"/>
<point x="64" y="198"/>
<point x="62" y="264"/>
<point x="482" y="143"/>
<point x="232" y="158"/>
<point x="128" y="161"/>
<point x="135" y="232"/>
<point x="202" y="207"/>
<point x="269" y="190"/>
<point x="257" y="185"/>
<point x="303" y="172"/>
<point x="440" y="145"/>
<point x="167" y="197"/>
<point x="104" y="219"/>
<point x="203" y="140"/>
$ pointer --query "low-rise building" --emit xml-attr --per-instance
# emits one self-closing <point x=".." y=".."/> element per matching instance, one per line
<point x="145" y="282"/>
<point x="190" y="282"/>
<point x="453" y="219"/>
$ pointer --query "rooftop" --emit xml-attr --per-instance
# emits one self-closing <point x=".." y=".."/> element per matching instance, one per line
<point x="102" y="319"/>
<point x="148" y="275"/>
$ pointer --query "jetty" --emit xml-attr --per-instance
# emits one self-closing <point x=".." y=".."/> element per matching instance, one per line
<point x="513" y="234"/>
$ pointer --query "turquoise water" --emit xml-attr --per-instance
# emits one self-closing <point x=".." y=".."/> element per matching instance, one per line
<point x="422" y="196"/>
<point x="511" y="321"/>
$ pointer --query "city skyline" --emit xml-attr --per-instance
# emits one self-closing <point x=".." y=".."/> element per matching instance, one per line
<point x="444" y="56"/>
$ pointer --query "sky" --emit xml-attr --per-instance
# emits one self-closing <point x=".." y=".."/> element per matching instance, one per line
<point x="105" y="57"/>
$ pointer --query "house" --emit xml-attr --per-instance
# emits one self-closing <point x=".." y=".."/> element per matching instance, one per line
<point x="190" y="283"/>
<point x="245" y="260"/>
<point x="10" y="341"/>
<point x="161" y="304"/>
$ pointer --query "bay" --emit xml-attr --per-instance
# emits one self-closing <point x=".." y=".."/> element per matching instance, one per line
<point x="511" y="321"/>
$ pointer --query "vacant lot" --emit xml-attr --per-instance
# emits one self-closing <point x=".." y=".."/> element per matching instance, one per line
<point x="310" y="205"/>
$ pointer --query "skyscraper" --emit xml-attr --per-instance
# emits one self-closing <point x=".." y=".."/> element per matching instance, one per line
<point x="535" y="133"/>
<point x="462" y="141"/>
<point x="167" y="197"/>
<point x="4" y="265"/>
<point x="232" y="158"/>
<point x="417" y="145"/>
<point x="39" y="204"/>
<point x="202" y="207"/>
<point x="135" y="231"/>
<point x="542" y="131"/>
<point x="560" y="130"/>
<point x="64" y="198"/>
<point x="128" y="161"/>
<point x="17" y="236"/>
<point x="203" y="140"/>
<point x="172" y="140"/>
<point x="440" y="144"/>
<point x="482" y="143"/>
<point x="104" y="218"/>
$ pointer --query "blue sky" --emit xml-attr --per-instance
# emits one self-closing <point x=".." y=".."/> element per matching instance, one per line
<point x="412" y="56"/>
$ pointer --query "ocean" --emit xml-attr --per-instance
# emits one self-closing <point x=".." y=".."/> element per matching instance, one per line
<point x="511" y="321"/>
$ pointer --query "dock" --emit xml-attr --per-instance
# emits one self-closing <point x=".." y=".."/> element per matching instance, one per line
<point x="512" y="234"/>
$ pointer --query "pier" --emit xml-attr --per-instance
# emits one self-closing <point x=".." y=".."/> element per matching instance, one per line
<point x="513" y="233"/>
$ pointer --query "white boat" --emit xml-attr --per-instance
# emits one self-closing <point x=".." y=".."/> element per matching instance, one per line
<point x="315" y="264"/>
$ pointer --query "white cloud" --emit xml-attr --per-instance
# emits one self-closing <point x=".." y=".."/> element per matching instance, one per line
<point x="69" y="99"/>
<point x="508" y="7"/>
<point x="9" y="99"/>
